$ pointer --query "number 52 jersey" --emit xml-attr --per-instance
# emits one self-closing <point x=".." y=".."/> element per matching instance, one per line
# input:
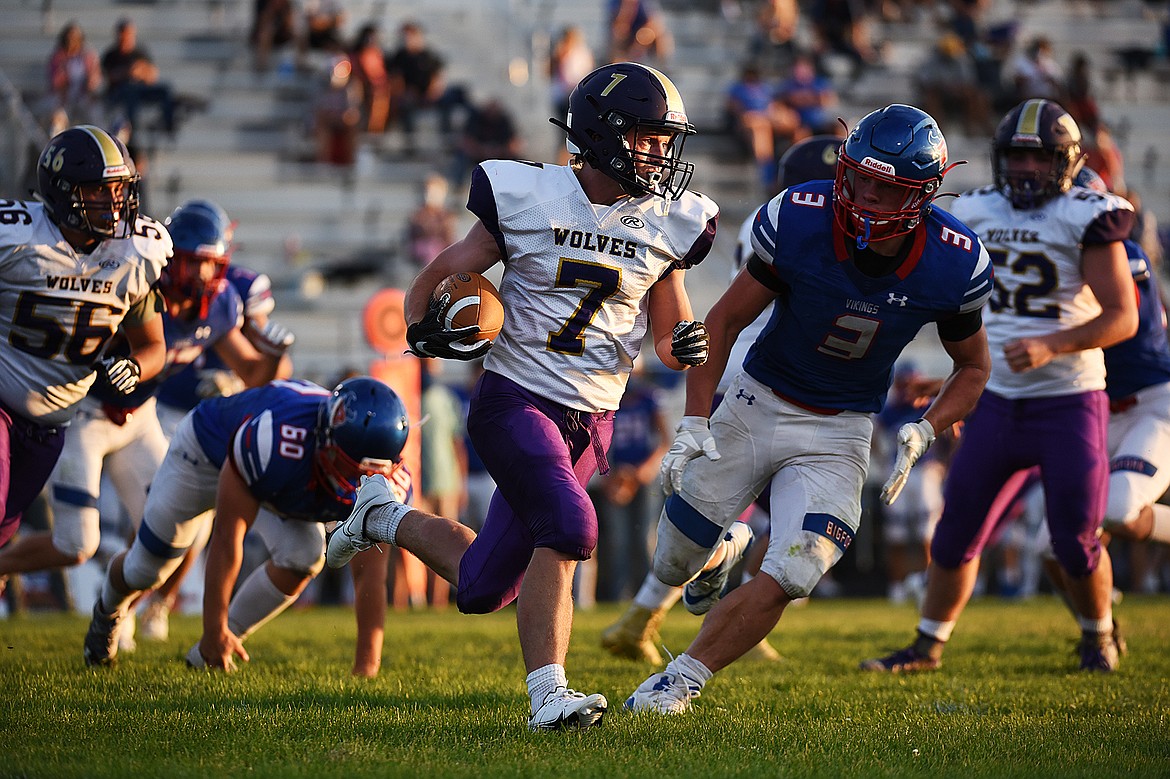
<point x="58" y="308"/>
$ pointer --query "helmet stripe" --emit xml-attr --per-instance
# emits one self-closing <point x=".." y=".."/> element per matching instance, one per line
<point x="1029" y="123"/>
<point x="111" y="154"/>
<point x="674" y="101"/>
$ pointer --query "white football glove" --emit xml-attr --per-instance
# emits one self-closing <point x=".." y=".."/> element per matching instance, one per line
<point x="914" y="438"/>
<point x="121" y="373"/>
<point x="273" y="339"/>
<point x="691" y="439"/>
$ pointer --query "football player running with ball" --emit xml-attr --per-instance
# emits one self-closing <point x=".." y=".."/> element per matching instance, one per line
<point x="593" y="253"/>
<point x="1063" y="290"/>
<point x="859" y="264"/>
<point x="73" y="269"/>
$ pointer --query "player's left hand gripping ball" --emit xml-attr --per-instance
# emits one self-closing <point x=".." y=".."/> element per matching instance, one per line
<point x="914" y="438"/>
<point x="690" y="343"/>
<point x="121" y="374"/>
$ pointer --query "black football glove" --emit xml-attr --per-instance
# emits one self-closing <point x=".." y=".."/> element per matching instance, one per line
<point x="120" y="374"/>
<point x="690" y="343"/>
<point x="429" y="338"/>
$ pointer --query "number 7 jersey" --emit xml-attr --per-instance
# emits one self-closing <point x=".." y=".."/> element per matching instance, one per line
<point x="58" y="308"/>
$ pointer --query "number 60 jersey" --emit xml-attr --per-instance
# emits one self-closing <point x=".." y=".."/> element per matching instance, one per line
<point x="1039" y="288"/>
<point x="58" y="308"/>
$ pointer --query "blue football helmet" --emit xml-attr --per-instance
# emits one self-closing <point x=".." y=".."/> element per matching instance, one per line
<point x="812" y="159"/>
<point x="901" y="146"/>
<point x="1089" y="179"/>
<point x="361" y="430"/>
<point x="201" y="233"/>
<point x="78" y="174"/>
<point x="619" y="98"/>
<point x="1037" y="125"/>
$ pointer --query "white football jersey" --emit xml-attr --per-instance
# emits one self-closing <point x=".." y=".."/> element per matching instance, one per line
<point x="59" y="308"/>
<point x="1039" y="288"/>
<point x="576" y="276"/>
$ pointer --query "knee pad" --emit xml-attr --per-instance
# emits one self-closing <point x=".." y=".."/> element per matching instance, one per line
<point x="1124" y="503"/>
<point x="569" y="528"/>
<point x="798" y="564"/>
<point x="680" y="552"/>
<point x="76" y="528"/>
<point x="1077" y="557"/>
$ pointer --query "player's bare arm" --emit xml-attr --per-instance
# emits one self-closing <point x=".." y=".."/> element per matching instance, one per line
<point x="668" y="305"/>
<point x="1106" y="271"/>
<point x="235" y="510"/>
<point x="148" y="346"/>
<point x="475" y="252"/>
<point x="738" y="306"/>
<point x="970" y="369"/>
<point x="249" y="363"/>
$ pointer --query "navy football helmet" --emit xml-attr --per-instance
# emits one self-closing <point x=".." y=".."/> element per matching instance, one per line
<point x="901" y="146"/>
<point x="812" y="159"/>
<point x="201" y="233"/>
<point x="361" y="430"/>
<point x="1037" y="125"/>
<point x="611" y="102"/>
<point x="77" y="177"/>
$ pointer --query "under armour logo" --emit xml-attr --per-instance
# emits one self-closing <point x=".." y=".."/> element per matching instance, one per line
<point x="899" y="299"/>
<point x="745" y="396"/>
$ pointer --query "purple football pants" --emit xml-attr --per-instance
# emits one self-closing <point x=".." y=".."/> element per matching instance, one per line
<point x="28" y="453"/>
<point x="1066" y="437"/>
<point x="540" y="454"/>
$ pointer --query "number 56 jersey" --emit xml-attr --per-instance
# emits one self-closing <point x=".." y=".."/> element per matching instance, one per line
<point x="58" y="308"/>
<point x="1039" y="287"/>
<point x="576" y="276"/>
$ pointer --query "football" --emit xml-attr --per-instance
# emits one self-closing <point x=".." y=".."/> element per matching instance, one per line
<point x="470" y="299"/>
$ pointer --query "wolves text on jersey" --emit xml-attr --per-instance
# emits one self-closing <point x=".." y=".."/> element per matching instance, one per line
<point x="80" y="284"/>
<point x="599" y="242"/>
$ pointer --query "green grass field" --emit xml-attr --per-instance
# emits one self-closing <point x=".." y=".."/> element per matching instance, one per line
<point x="450" y="701"/>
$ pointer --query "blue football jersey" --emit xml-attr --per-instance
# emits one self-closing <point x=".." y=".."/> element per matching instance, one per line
<point x="1143" y="360"/>
<point x="833" y="344"/>
<point x="186" y="342"/>
<point x="269" y="434"/>
<point x="181" y="388"/>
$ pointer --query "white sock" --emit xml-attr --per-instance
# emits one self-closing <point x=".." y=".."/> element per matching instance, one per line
<point x="691" y="668"/>
<point x="654" y="594"/>
<point x="940" y="631"/>
<point x="113" y="601"/>
<point x="255" y="602"/>
<point x="1103" y="626"/>
<point x="382" y="522"/>
<point x="1161" y="528"/>
<point x="544" y="680"/>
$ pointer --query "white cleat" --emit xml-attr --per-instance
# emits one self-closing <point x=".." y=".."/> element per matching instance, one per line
<point x="155" y="623"/>
<point x="349" y="538"/>
<point x="664" y="693"/>
<point x="565" y="709"/>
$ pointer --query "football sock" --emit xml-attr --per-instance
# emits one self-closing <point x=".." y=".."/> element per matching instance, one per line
<point x="939" y="631"/>
<point x="691" y="668"/>
<point x="544" y="680"/>
<point x="113" y="601"/>
<point x="1160" y="531"/>
<point x="1101" y="627"/>
<point x="255" y="602"/>
<point x="382" y="522"/>
<point x="655" y="595"/>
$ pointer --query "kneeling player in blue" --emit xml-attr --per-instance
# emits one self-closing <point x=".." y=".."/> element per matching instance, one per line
<point x="282" y="459"/>
<point x="860" y="265"/>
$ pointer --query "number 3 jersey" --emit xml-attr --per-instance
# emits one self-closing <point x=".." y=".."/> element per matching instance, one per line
<point x="269" y="434"/>
<point x="1039" y="288"/>
<point x="58" y="308"/>
<point x="832" y="343"/>
<point x="576" y="276"/>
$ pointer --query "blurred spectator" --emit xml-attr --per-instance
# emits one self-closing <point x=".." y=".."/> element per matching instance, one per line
<point x="966" y="20"/>
<point x="843" y="27"/>
<point x="369" y="69"/>
<point x="949" y="88"/>
<point x="1036" y="73"/>
<point x="773" y="39"/>
<point x="1081" y="104"/>
<point x="419" y="81"/>
<point x="324" y="24"/>
<point x="336" y="115"/>
<point x="488" y="134"/>
<point x="810" y="95"/>
<point x="431" y="227"/>
<point x="1102" y="155"/>
<point x="75" y="76"/>
<point x="638" y="31"/>
<point x="570" y="61"/>
<point x="991" y="58"/>
<point x="760" y="121"/>
<point x="132" y="78"/>
<point x="273" y="26"/>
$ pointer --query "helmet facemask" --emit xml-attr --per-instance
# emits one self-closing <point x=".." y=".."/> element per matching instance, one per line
<point x="102" y="209"/>
<point x="1028" y="189"/>
<point x="1045" y="129"/>
<point x="194" y="277"/>
<point x="342" y="474"/>
<point x="874" y="223"/>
